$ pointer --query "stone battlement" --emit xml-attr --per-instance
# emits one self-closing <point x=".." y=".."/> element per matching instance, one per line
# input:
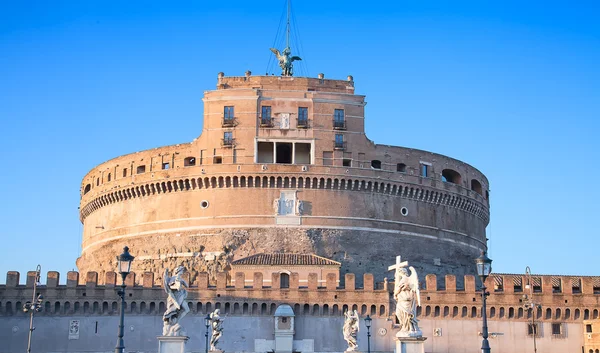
<point x="562" y="298"/>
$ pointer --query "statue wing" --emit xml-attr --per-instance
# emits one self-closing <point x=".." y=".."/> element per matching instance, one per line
<point x="276" y="52"/>
<point x="294" y="58"/>
<point x="166" y="281"/>
<point x="413" y="279"/>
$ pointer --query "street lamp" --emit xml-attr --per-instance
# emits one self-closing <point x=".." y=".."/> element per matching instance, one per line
<point x="368" y="325"/>
<point x="124" y="266"/>
<point x="207" y="324"/>
<point x="484" y="268"/>
<point x="529" y="304"/>
<point x="34" y="305"/>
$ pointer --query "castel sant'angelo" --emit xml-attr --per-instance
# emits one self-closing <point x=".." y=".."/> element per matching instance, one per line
<point x="283" y="165"/>
<point x="283" y="201"/>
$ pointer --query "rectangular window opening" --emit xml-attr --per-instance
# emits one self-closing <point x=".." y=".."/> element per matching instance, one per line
<point x="227" y="139"/>
<point x="264" y="152"/>
<point x="339" y="120"/>
<point x="424" y="170"/>
<point x="347" y="162"/>
<point x="283" y="153"/>
<point x="339" y="141"/>
<point x="124" y="172"/>
<point x="165" y="166"/>
<point x="228" y="116"/>
<point x="302" y="117"/>
<point x="302" y="153"/>
<point x="532" y="329"/>
<point x="588" y="328"/>
<point x="140" y="169"/>
<point x="217" y="160"/>
<point x="557" y="329"/>
<point x="265" y="116"/>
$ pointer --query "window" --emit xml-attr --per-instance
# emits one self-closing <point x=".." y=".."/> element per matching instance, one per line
<point x="109" y="177"/>
<point x="339" y="121"/>
<point x="227" y="138"/>
<point x="557" y="329"/>
<point x="424" y="170"/>
<point x="217" y="160"/>
<point x="532" y="329"/>
<point x="476" y="186"/>
<point x="588" y="328"/>
<point x="265" y="116"/>
<point x="302" y="117"/>
<point x="189" y="161"/>
<point x="283" y="153"/>
<point x="124" y="172"/>
<point x="451" y="176"/>
<point x="401" y="167"/>
<point x="347" y="162"/>
<point x="284" y="280"/>
<point x="87" y="189"/>
<point x="376" y="164"/>
<point x="165" y="166"/>
<point x="141" y="169"/>
<point x="228" y="116"/>
<point x="339" y="141"/>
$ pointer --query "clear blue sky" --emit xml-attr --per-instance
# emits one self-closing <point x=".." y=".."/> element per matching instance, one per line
<point x="512" y="88"/>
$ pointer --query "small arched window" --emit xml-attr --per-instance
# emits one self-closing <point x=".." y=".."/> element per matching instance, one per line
<point x="476" y="186"/>
<point x="451" y="176"/>
<point x="87" y="189"/>
<point x="376" y="164"/>
<point x="401" y="167"/>
<point x="284" y="280"/>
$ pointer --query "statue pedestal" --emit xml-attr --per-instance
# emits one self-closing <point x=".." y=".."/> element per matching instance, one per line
<point x="172" y="344"/>
<point x="215" y="351"/>
<point x="408" y="344"/>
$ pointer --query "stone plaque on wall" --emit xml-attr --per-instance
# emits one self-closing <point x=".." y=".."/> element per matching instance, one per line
<point x="74" y="329"/>
<point x="284" y="121"/>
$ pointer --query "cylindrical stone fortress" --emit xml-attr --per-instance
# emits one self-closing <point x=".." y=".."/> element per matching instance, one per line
<point x="283" y="165"/>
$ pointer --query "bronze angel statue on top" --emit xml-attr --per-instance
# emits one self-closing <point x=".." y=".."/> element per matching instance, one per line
<point x="285" y="61"/>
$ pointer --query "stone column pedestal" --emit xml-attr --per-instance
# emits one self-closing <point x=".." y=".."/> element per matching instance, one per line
<point x="172" y="344"/>
<point x="410" y="344"/>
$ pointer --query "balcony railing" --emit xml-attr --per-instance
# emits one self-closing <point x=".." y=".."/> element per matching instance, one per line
<point x="228" y="121"/>
<point x="302" y="123"/>
<point x="266" y="122"/>
<point x="227" y="143"/>
<point x="339" y="145"/>
<point x="339" y="124"/>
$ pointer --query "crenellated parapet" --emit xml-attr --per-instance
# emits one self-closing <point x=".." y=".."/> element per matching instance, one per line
<point x="562" y="298"/>
<point x="260" y="296"/>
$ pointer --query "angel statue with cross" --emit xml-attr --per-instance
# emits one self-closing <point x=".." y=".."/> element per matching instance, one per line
<point x="407" y="297"/>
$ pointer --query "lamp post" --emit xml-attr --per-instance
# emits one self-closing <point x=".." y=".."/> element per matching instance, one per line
<point x="124" y="266"/>
<point x="484" y="268"/>
<point x="207" y="324"/>
<point x="34" y="305"/>
<point x="529" y="304"/>
<point x="368" y="325"/>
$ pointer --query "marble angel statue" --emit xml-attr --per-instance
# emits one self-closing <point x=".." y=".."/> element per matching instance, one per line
<point x="407" y="297"/>
<point x="216" y="323"/>
<point x="350" y="330"/>
<point x="177" y="307"/>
